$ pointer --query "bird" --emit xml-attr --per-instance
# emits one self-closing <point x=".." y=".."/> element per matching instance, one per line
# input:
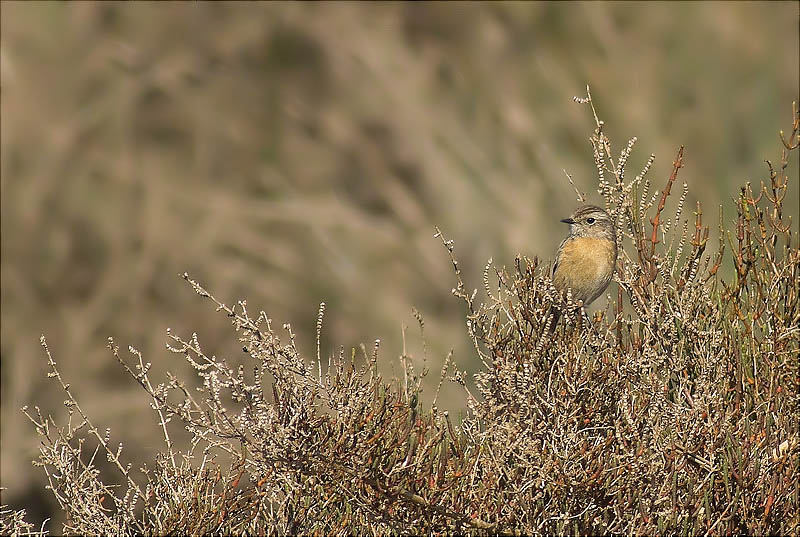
<point x="586" y="258"/>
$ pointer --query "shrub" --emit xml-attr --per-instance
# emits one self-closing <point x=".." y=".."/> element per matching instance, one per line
<point x="673" y="411"/>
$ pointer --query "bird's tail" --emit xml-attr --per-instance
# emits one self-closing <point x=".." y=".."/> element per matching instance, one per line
<point x="553" y="318"/>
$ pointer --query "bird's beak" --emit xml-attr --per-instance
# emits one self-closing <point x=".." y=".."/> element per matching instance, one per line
<point x="568" y="220"/>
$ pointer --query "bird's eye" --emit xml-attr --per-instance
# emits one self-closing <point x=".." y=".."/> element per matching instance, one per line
<point x="590" y="220"/>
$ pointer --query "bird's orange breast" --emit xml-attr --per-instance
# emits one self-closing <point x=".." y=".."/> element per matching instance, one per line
<point x="585" y="265"/>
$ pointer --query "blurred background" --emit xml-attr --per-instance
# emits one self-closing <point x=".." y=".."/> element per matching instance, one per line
<point x="291" y="154"/>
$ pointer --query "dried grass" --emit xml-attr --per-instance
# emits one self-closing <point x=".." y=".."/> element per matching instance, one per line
<point x="674" y="411"/>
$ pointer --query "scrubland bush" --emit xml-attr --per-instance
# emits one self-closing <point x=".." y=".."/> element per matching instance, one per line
<point x="672" y="411"/>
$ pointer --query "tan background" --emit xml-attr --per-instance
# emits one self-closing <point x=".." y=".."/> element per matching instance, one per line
<point x="297" y="153"/>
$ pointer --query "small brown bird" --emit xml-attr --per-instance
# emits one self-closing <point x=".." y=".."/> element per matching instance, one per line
<point x="586" y="259"/>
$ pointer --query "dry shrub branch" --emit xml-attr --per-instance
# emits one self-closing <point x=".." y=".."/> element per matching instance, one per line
<point x="674" y="411"/>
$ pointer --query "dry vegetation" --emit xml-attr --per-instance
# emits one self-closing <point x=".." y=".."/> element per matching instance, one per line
<point x="674" y="411"/>
<point x="294" y="153"/>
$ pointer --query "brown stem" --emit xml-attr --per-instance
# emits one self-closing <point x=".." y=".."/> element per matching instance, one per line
<point x="656" y="220"/>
